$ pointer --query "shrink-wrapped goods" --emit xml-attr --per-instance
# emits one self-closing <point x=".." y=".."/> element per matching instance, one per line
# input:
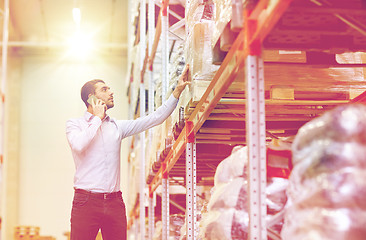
<point x="309" y="79"/>
<point x="232" y="167"/>
<point x="325" y="223"/>
<point x="158" y="92"/>
<point x="229" y="195"/>
<point x="227" y="215"/>
<point x="175" y="223"/>
<point x="199" y="29"/>
<point x="225" y="224"/>
<point x="197" y="11"/>
<point x="176" y="66"/>
<point x="222" y="16"/>
<point x="327" y="188"/>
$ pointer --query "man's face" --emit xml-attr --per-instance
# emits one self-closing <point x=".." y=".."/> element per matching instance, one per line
<point x="104" y="93"/>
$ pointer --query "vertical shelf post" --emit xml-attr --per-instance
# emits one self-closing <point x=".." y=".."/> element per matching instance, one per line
<point x="136" y="227"/>
<point x="142" y="165"/>
<point x="190" y="182"/>
<point x="165" y="73"/>
<point x="151" y="29"/>
<point x="165" y="202"/>
<point x="142" y="113"/>
<point x="165" y="49"/>
<point x="255" y="134"/>
<point x="151" y="215"/>
<point x="4" y="75"/>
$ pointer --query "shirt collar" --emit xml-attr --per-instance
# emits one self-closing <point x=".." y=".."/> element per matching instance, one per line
<point x="88" y="117"/>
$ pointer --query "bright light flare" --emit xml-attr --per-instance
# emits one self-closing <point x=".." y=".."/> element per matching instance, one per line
<point x="76" y="15"/>
<point x="80" y="45"/>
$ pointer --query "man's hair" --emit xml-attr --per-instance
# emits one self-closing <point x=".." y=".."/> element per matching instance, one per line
<point x="89" y="88"/>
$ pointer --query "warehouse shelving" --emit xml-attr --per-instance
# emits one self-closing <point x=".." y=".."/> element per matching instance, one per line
<point x="4" y="15"/>
<point x="269" y="25"/>
<point x="5" y="37"/>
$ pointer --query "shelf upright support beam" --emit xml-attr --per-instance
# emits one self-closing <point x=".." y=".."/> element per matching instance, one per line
<point x="136" y="227"/>
<point x="142" y="165"/>
<point x="142" y="114"/>
<point x="151" y="214"/>
<point x="150" y="72"/>
<point x="255" y="133"/>
<point x="4" y="67"/>
<point x="165" y="49"/>
<point x="165" y="72"/>
<point x="191" y="182"/>
<point x="165" y="202"/>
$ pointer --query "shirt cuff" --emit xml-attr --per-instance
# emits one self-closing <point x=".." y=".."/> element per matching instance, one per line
<point x="172" y="98"/>
<point x="96" y="120"/>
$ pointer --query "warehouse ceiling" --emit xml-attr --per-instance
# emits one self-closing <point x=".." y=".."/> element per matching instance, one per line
<point x="38" y="25"/>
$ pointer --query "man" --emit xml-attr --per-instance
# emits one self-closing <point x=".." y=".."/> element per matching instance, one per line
<point x="95" y="141"/>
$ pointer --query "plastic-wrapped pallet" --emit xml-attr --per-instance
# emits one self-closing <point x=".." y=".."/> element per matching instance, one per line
<point x="227" y="216"/>
<point x="175" y="223"/>
<point x="176" y="68"/>
<point x="310" y="79"/>
<point x="199" y="28"/>
<point x="223" y="12"/>
<point x="327" y="184"/>
<point x="158" y="93"/>
<point x="177" y="65"/>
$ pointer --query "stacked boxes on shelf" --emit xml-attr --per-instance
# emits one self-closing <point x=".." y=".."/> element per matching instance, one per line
<point x="26" y="233"/>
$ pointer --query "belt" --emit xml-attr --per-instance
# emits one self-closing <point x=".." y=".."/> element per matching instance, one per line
<point x="99" y="195"/>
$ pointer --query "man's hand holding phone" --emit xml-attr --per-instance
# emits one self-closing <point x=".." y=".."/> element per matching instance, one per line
<point x="98" y="106"/>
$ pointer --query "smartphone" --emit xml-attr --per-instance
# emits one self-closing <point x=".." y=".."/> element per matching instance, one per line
<point x="91" y="99"/>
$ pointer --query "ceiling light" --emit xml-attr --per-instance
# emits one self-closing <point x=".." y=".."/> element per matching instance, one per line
<point x="76" y="15"/>
<point x="80" y="45"/>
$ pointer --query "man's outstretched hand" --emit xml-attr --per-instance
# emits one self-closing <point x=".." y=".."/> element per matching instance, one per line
<point x="182" y="82"/>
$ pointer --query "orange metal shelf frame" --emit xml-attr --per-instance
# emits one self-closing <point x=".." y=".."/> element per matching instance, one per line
<point x="233" y="62"/>
<point x="259" y="24"/>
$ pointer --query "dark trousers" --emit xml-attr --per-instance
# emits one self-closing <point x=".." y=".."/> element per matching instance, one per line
<point x="94" y="211"/>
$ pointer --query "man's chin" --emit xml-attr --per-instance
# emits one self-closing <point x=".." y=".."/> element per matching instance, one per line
<point x="110" y="105"/>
